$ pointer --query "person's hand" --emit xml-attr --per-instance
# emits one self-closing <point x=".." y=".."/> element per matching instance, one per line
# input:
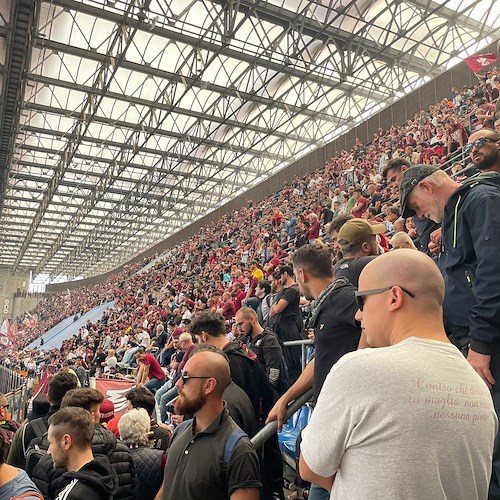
<point x="177" y="419"/>
<point x="165" y="426"/>
<point x="436" y="237"/>
<point x="278" y="412"/>
<point x="434" y="249"/>
<point x="481" y="363"/>
<point x="310" y="334"/>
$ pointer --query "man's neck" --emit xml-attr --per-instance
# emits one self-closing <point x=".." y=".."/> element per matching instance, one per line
<point x="411" y="327"/>
<point x="78" y="460"/>
<point x="317" y="286"/>
<point x="205" y="416"/>
<point x="256" y="330"/>
<point x="218" y="342"/>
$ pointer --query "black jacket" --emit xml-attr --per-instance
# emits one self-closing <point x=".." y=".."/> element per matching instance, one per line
<point x="250" y="376"/>
<point x="149" y="469"/>
<point x="267" y="348"/>
<point x="96" y="480"/>
<point x="469" y="261"/>
<point x="50" y="480"/>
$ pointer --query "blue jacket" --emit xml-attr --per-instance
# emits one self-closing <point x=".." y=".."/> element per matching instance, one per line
<point x="470" y="261"/>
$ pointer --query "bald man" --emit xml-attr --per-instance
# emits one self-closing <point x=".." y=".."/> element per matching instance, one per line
<point x="409" y="418"/>
<point x="402" y="240"/>
<point x="484" y="147"/>
<point x="203" y="459"/>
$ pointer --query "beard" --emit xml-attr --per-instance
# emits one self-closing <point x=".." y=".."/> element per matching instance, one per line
<point x="487" y="162"/>
<point x="184" y="406"/>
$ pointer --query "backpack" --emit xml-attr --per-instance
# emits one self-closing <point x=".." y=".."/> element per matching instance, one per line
<point x="38" y="445"/>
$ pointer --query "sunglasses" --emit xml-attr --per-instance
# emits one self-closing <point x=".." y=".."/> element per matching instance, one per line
<point x="478" y="143"/>
<point x="360" y="295"/>
<point x="185" y="377"/>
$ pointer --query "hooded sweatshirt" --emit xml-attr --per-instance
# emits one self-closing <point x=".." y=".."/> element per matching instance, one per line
<point x="96" y="480"/>
<point x="469" y="261"/>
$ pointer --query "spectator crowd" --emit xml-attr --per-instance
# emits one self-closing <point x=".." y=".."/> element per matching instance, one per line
<point x="366" y="252"/>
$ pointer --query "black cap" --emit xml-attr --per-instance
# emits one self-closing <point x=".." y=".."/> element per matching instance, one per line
<point x="288" y="269"/>
<point x="411" y="178"/>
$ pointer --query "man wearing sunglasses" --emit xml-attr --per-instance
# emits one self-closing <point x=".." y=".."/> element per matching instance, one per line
<point x="409" y="418"/>
<point x="470" y="215"/>
<point x="484" y="150"/>
<point x="196" y="456"/>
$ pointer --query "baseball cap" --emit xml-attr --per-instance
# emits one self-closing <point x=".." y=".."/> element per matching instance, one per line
<point x="279" y="272"/>
<point x="107" y="410"/>
<point x="410" y="179"/>
<point x="358" y="230"/>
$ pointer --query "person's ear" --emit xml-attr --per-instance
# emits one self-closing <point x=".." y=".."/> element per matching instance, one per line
<point x="426" y="186"/>
<point x="66" y="442"/>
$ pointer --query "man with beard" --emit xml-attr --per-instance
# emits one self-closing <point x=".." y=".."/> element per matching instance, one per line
<point x="470" y="216"/>
<point x="484" y="147"/>
<point x="197" y="465"/>
<point x="335" y="329"/>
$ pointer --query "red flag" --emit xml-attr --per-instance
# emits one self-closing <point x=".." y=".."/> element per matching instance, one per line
<point x="477" y="63"/>
<point x="115" y="391"/>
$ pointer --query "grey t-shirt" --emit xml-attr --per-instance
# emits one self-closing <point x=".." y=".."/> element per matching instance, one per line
<point x="410" y="421"/>
<point x="20" y="485"/>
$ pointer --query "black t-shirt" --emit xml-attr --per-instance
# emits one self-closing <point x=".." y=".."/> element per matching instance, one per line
<point x="351" y="268"/>
<point x="292" y="295"/>
<point x="374" y="199"/>
<point x="327" y="215"/>
<point x="336" y="332"/>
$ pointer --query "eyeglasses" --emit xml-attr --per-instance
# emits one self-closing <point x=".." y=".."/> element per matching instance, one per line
<point x="185" y="377"/>
<point x="4" y="407"/>
<point x="360" y="295"/>
<point x="478" y="143"/>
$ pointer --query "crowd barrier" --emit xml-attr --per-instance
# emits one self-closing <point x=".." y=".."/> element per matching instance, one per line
<point x="17" y="391"/>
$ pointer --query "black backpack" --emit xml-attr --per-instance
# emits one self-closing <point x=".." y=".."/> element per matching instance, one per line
<point x="38" y="446"/>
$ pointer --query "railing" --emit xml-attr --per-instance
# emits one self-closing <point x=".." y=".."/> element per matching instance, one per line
<point x="303" y="345"/>
<point x="268" y="430"/>
<point x="10" y="380"/>
<point x="17" y="391"/>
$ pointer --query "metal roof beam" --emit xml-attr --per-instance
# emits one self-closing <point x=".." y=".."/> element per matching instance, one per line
<point x="42" y="43"/>
<point x="226" y="50"/>
<point x="120" y="145"/>
<point x="309" y="26"/>
<point x="170" y="108"/>
<point x="152" y="130"/>
<point x="17" y="58"/>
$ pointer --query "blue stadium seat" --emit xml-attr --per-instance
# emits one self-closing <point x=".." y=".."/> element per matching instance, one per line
<point x="287" y="438"/>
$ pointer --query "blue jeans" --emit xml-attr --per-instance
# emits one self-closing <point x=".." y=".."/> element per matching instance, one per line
<point x="163" y="396"/>
<point x="154" y="384"/>
<point x="318" y="493"/>
<point x="129" y="355"/>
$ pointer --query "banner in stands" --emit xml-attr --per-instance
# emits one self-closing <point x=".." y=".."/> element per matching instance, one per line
<point x="115" y="391"/>
<point x="477" y="63"/>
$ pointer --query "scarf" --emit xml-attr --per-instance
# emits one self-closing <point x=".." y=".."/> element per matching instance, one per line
<point x="325" y="293"/>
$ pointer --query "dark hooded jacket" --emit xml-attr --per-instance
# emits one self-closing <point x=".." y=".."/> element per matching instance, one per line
<point x="50" y="480"/>
<point x="96" y="480"/>
<point x="469" y="262"/>
<point x="247" y="373"/>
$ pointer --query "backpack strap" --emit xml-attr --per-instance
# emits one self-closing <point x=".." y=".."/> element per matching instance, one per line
<point x="235" y="436"/>
<point x="39" y="427"/>
<point x="181" y="427"/>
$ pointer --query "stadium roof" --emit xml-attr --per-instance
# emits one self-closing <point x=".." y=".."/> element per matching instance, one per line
<point x="123" y="121"/>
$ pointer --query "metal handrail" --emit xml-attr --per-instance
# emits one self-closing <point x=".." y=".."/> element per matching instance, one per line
<point x="268" y="430"/>
<point x="303" y="344"/>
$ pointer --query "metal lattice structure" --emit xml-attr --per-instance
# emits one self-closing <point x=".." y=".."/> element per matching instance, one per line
<point x="125" y="120"/>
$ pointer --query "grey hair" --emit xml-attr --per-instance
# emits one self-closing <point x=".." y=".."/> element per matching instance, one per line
<point x="134" y="427"/>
